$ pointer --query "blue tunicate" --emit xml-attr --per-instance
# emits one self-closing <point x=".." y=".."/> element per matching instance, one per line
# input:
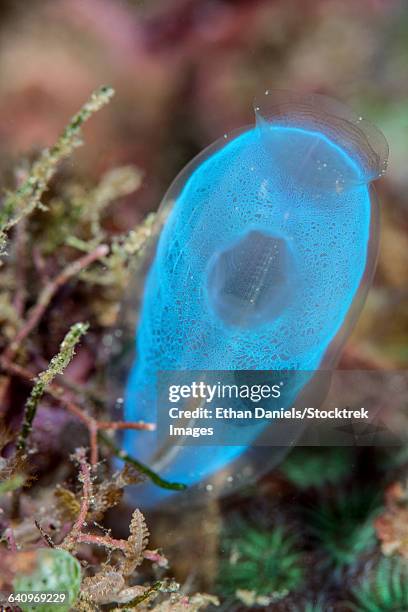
<point x="263" y="262"/>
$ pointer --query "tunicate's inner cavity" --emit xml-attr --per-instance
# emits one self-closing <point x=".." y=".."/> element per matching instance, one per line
<point x="251" y="282"/>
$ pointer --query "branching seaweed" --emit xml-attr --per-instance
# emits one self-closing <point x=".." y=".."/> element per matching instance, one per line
<point x="66" y="522"/>
<point x="57" y="366"/>
<point x="23" y="202"/>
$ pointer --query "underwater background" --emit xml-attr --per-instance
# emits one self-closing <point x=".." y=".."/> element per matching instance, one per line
<point x="327" y="528"/>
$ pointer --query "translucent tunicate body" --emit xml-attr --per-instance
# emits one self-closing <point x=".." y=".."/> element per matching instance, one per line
<point x="262" y="264"/>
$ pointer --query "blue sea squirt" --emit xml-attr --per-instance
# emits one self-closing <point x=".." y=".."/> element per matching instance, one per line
<point x="263" y="263"/>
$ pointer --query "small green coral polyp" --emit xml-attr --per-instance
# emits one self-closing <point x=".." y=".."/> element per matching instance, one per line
<point x="258" y="560"/>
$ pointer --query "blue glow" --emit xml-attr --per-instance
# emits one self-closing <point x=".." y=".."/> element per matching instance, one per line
<point x="256" y="268"/>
